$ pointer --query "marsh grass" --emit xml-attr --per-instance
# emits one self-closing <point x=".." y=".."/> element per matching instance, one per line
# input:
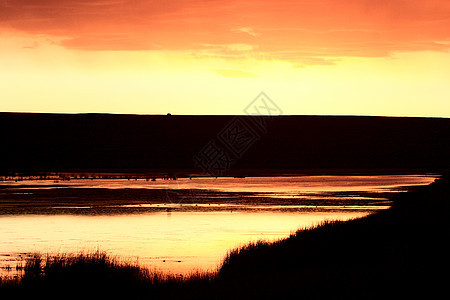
<point x="97" y="273"/>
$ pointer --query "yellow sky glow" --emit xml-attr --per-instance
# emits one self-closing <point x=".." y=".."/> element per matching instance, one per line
<point x="200" y="57"/>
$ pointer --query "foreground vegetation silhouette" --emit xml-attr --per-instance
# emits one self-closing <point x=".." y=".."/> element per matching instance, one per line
<point x="402" y="251"/>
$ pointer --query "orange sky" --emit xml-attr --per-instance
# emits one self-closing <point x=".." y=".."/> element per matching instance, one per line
<point x="347" y="57"/>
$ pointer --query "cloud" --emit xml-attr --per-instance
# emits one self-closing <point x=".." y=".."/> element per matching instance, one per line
<point x="313" y="61"/>
<point x="266" y="29"/>
<point x="247" y="30"/>
<point x="225" y="51"/>
<point x="109" y="42"/>
<point x="33" y="45"/>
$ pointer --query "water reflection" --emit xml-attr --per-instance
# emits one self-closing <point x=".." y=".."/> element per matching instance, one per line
<point x="280" y="185"/>
<point x="176" y="241"/>
<point x="179" y="236"/>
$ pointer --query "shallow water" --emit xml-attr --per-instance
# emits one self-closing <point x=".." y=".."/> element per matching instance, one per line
<point x="180" y="234"/>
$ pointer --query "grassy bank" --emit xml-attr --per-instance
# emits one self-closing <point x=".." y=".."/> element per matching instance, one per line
<point x="95" y="274"/>
<point x="401" y="251"/>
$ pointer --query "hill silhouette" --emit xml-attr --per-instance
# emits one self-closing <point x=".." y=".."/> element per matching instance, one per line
<point x="88" y="142"/>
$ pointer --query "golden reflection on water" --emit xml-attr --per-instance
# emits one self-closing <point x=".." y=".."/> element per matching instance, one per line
<point x="286" y="185"/>
<point x="183" y="241"/>
<point x="282" y="185"/>
<point x="178" y="242"/>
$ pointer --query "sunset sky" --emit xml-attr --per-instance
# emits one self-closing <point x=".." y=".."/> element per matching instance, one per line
<point x="350" y="57"/>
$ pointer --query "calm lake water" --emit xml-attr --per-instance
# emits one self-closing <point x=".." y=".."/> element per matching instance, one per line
<point x="179" y="225"/>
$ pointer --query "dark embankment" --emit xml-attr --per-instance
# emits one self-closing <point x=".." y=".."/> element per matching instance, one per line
<point x="132" y="143"/>
<point x="400" y="252"/>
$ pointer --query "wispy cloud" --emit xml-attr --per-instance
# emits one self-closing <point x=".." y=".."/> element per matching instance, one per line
<point x="271" y="29"/>
<point x="313" y="61"/>
<point x="33" y="45"/>
<point x="247" y="30"/>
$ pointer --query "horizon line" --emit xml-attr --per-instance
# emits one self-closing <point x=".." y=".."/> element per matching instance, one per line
<point x="220" y="115"/>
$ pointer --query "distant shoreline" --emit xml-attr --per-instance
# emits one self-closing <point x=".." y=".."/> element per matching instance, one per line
<point x="186" y="173"/>
<point x="86" y="193"/>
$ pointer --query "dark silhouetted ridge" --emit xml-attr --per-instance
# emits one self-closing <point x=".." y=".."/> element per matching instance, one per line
<point x="70" y="142"/>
